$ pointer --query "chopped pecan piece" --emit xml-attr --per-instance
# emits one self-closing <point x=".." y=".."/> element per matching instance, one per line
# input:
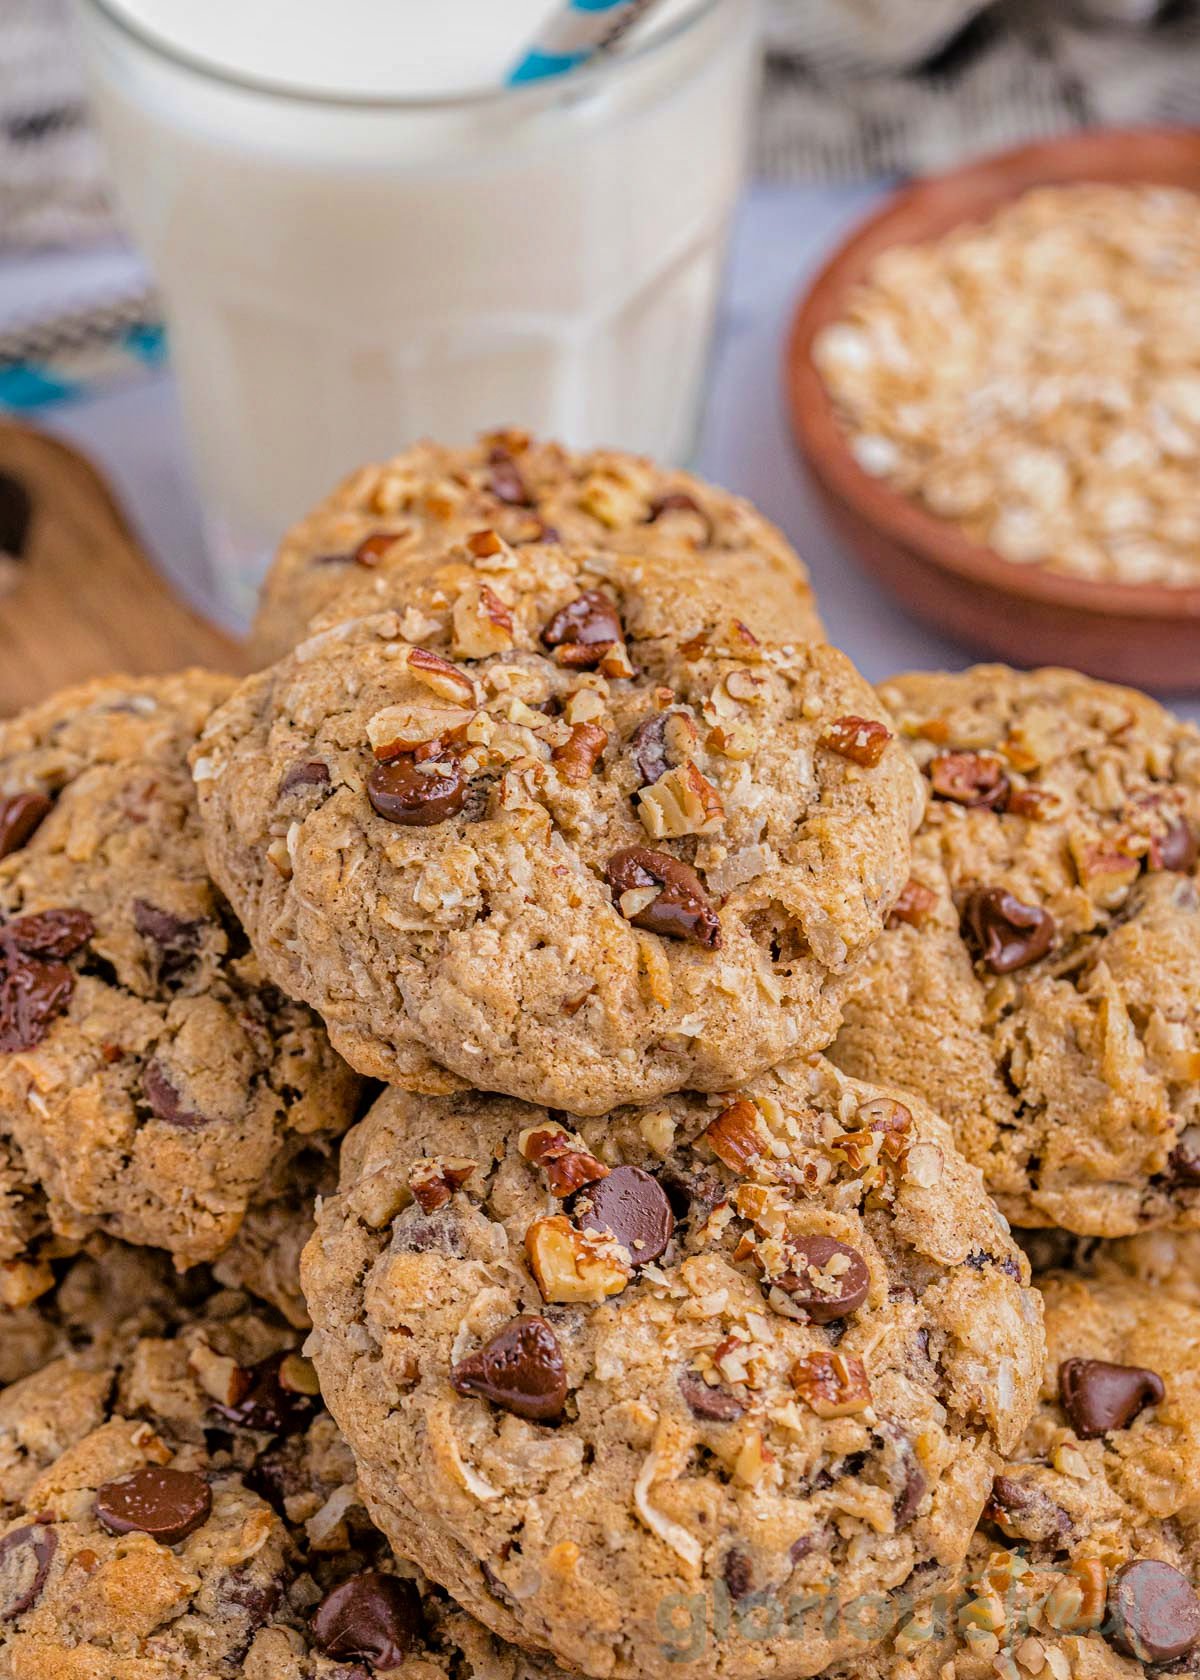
<point x="970" y="778"/>
<point x="435" y="1178"/>
<point x="914" y="906"/>
<point x="568" y="1166"/>
<point x="580" y="753"/>
<point x="834" y="1384"/>
<point x="861" y="740"/>
<point x="735" y="1137"/>
<point x="572" y="1266"/>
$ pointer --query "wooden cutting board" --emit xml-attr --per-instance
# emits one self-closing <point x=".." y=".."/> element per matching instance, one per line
<point x="81" y="598"/>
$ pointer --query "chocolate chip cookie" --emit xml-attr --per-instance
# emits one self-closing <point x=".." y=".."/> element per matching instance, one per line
<point x="606" y="1378"/>
<point x="1039" y="982"/>
<point x="355" y="552"/>
<point x="565" y="828"/>
<point x="150" y="1078"/>
<point x="187" y="1510"/>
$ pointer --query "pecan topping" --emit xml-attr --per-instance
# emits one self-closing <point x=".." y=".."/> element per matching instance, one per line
<point x="970" y="778"/>
<point x="505" y="480"/>
<point x="434" y="1179"/>
<point x="833" y="1384"/>
<point x="570" y="1265"/>
<point x="585" y="630"/>
<point x="734" y="1136"/>
<point x="482" y="623"/>
<point x="914" y="906"/>
<point x="1004" y="932"/>
<point x="659" y="893"/>
<point x="372" y="549"/>
<point x="568" y="1166"/>
<point x="35" y="982"/>
<point x="861" y="740"/>
<point x="580" y="753"/>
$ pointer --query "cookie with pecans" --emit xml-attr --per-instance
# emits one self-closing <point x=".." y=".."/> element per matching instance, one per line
<point x="180" y="1506"/>
<point x="1039" y="982"/>
<point x="355" y="553"/>
<point x="151" y="1079"/>
<point x="565" y="828"/>
<point x="616" y="1382"/>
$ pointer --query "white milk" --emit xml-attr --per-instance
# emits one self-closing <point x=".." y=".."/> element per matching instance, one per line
<point x="363" y="239"/>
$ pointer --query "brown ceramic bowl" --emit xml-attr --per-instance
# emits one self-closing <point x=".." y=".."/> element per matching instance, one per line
<point x="1145" y="634"/>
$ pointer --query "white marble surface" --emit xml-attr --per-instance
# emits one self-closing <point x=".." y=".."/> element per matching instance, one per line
<point x="783" y="232"/>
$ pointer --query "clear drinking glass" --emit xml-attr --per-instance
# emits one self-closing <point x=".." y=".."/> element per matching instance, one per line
<point x="343" y="276"/>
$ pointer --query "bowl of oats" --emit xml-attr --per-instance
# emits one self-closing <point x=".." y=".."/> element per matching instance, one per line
<point x="995" y="384"/>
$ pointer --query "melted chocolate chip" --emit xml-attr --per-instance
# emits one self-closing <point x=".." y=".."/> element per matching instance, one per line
<point x="692" y="1195"/>
<point x="1154" y="1611"/>
<point x="1178" y="849"/>
<point x="175" y="939"/>
<point x="266" y="1403"/>
<point x="164" y="1503"/>
<point x="35" y="983"/>
<point x="633" y="1207"/>
<point x="712" y="1404"/>
<point x="307" y="772"/>
<point x="25" y="1558"/>
<point x="682" y="910"/>
<point x="738" y="1573"/>
<point x="521" y="1370"/>
<point x="1004" y="933"/>
<point x="1185" y="1158"/>
<point x="371" y="1616"/>
<point x="829" y="1279"/>
<point x="1098" y="1397"/>
<point x="1026" y="1511"/>
<point x="505" y="481"/>
<point x="21" y="815"/>
<point x="586" y="628"/>
<point x="401" y="792"/>
<point x="417" y="1232"/>
<point x="165" y="1103"/>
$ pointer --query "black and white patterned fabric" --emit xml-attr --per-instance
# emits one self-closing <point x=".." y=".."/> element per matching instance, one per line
<point x="51" y="179"/>
<point x="868" y="87"/>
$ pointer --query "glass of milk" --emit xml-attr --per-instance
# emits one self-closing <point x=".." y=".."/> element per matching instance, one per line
<point x="364" y="237"/>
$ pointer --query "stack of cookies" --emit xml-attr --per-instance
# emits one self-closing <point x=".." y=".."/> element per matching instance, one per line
<point x="648" y="1034"/>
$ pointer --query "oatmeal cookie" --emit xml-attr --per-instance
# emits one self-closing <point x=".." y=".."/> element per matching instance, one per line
<point x="150" y="1078"/>
<point x="1039" y="983"/>
<point x="564" y="829"/>
<point x="356" y="552"/>
<point x="189" y="1511"/>
<point x="605" y="1378"/>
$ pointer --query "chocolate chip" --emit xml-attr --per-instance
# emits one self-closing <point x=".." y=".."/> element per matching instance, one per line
<point x="257" y="1602"/>
<point x="1098" y="1397"/>
<point x="738" y="1573"/>
<point x="265" y="1402"/>
<point x="648" y="748"/>
<point x="401" y="792"/>
<point x="307" y="772"/>
<point x="416" y="1232"/>
<point x="826" y="1291"/>
<point x="48" y="933"/>
<point x="21" y="814"/>
<point x="692" y="1195"/>
<point x="970" y="778"/>
<point x="633" y="1207"/>
<point x="35" y="984"/>
<point x="164" y="1503"/>
<point x="712" y="1404"/>
<point x="520" y="1370"/>
<point x="682" y="910"/>
<point x="26" y="1554"/>
<point x="1004" y="933"/>
<point x="585" y="629"/>
<point x="1185" y="1158"/>
<point x="905" y="1474"/>
<point x="1178" y="849"/>
<point x="164" y="927"/>
<point x="505" y="481"/>
<point x="1154" y="1612"/>
<point x="165" y="1103"/>
<point x="1026" y="1511"/>
<point x="16" y="515"/>
<point x="371" y="1616"/>
<point x="675" y="501"/>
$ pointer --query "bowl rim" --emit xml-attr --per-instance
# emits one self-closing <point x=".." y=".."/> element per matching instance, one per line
<point x="975" y="190"/>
